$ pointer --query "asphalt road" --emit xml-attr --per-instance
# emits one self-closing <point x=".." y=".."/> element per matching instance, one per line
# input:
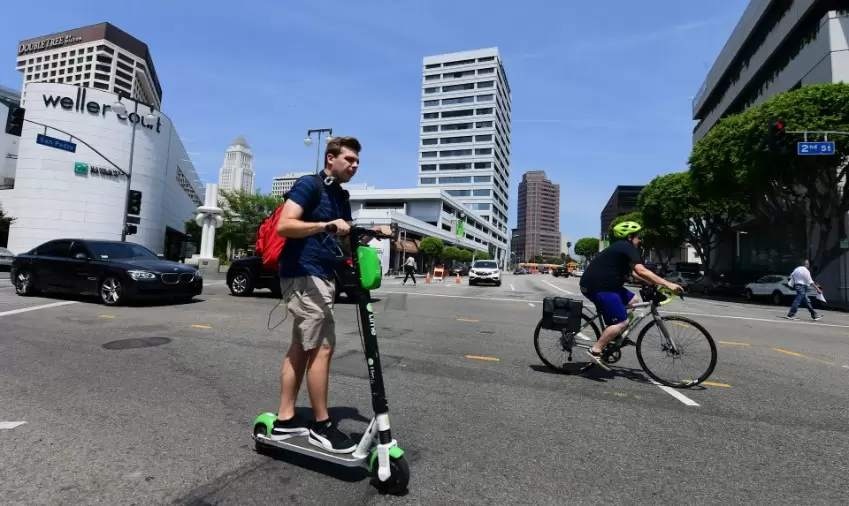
<point x="482" y="421"/>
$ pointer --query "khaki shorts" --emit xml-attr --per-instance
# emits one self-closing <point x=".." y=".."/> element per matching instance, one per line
<point x="310" y="300"/>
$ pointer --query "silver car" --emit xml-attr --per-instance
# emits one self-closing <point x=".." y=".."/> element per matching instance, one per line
<point x="6" y="258"/>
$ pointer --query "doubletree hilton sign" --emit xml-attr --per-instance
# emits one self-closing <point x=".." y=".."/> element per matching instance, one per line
<point x="48" y="43"/>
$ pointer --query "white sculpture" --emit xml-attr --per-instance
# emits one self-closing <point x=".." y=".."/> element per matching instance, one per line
<point x="209" y="217"/>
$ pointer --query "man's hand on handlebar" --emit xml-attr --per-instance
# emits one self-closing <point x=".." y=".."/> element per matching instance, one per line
<point x="338" y="227"/>
<point x="674" y="287"/>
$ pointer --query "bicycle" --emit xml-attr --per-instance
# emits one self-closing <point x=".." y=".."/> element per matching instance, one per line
<point x="653" y="298"/>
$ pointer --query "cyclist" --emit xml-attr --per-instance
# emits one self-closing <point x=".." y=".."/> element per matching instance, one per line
<point x="603" y="283"/>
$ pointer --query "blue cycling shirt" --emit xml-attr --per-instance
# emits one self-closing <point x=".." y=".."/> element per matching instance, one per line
<point x="314" y="255"/>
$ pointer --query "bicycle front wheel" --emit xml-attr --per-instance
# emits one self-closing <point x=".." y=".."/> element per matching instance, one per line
<point x="557" y="350"/>
<point x="691" y="360"/>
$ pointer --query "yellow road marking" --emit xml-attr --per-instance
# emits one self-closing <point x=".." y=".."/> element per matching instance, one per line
<point x="734" y="343"/>
<point x="478" y="357"/>
<point x="467" y="320"/>
<point x="201" y="327"/>
<point x="715" y="384"/>
<point x="793" y="353"/>
<point x="107" y="316"/>
<point x="681" y="324"/>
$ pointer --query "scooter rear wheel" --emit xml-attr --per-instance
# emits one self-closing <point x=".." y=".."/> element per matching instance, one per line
<point x="399" y="478"/>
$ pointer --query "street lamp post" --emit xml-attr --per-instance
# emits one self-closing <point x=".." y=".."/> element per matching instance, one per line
<point x="121" y="110"/>
<point x="308" y="143"/>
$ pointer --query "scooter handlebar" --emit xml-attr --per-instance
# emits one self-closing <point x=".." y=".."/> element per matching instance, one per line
<point x="330" y="228"/>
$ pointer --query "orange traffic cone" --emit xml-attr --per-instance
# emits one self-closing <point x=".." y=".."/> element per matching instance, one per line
<point x="427" y="277"/>
<point x="458" y="278"/>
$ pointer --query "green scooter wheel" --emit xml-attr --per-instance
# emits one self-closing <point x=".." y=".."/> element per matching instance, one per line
<point x="399" y="477"/>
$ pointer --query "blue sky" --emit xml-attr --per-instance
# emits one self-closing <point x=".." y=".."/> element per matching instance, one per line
<point x="601" y="90"/>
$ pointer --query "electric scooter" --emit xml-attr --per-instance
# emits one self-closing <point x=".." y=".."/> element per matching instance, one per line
<point x="377" y="450"/>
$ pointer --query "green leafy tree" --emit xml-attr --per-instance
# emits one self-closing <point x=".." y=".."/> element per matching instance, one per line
<point x="676" y="214"/>
<point x="5" y="222"/>
<point x="431" y="248"/>
<point x="450" y="253"/>
<point x="244" y="212"/>
<point x="482" y="255"/>
<point x="794" y="193"/>
<point x="587" y="247"/>
<point x="465" y="256"/>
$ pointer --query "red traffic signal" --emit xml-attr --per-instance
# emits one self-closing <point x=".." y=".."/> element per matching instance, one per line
<point x="776" y="134"/>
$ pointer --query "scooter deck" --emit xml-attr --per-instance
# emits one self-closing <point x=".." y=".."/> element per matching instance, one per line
<point x="301" y="444"/>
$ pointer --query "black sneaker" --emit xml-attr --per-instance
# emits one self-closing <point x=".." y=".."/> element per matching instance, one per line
<point x="285" y="429"/>
<point x="326" y="435"/>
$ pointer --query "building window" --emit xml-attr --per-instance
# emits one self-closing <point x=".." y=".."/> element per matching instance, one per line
<point x="459" y="75"/>
<point x="433" y="66"/>
<point x="105" y="49"/>
<point x="103" y="68"/>
<point x="457" y="114"/>
<point x="481" y="193"/>
<point x="458" y="100"/>
<point x="489" y="70"/>
<point x="428" y="154"/>
<point x="429" y="142"/>
<point x="428" y="167"/>
<point x="430" y="115"/>
<point x="484" y="124"/>
<point x="486" y="110"/>
<point x="431" y="103"/>
<point x="454" y="166"/>
<point x="455" y="180"/>
<point x="455" y="140"/>
<point x="483" y="179"/>
<point x="430" y="128"/>
<point x="483" y="138"/>
<point x="432" y="77"/>
<point x="458" y="87"/>
<point x="461" y="62"/>
<point x="485" y="98"/>
<point x="483" y="165"/>
<point x="484" y="151"/>
<point x="101" y="86"/>
<point x="102" y="77"/>
<point x="456" y="126"/>
<point x="486" y="58"/>
<point x="433" y="89"/>
<point x="428" y="180"/>
<point x="102" y="58"/>
<point x="455" y="152"/>
<point x="486" y="84"/>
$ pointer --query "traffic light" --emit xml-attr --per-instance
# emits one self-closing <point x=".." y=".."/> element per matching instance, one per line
<point x="15" y="121"/>
<point x="777" y="134"/>
<point x="134" y="203"/>
<point x="132" y="230"/>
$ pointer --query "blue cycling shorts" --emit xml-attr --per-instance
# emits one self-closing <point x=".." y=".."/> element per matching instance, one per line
<point x="611" y="305"/>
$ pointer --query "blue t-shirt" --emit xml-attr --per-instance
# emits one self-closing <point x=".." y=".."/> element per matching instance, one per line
<point x="315" y="255"/>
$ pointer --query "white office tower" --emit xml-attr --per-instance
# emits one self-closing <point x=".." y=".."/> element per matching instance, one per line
<point x="237" y="173"/>
<point x="465" y="132"/>
<point x="281" y="184"/>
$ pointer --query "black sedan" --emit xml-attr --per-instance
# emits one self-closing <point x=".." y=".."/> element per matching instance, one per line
<point x="113" y="271"/>
<point x="247" y="274"/>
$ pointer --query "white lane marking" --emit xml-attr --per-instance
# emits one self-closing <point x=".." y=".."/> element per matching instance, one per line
<point x="765" y="320"/>
<point x="557" y="287"/>
<point x="846" y="366"/>
<point x="531" y="304"/>
<point x="511" y="287"/>
<point x="675" y="393"/>
<point x="10" y="425"/>
<point x="36" y="308"/>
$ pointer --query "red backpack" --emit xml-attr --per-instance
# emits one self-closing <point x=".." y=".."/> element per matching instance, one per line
<point x="269" y="244"/>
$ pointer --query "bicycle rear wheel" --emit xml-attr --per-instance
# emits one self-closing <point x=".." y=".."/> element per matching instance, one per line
<point x="688" y="352"/>
<point x="560" y="345"/>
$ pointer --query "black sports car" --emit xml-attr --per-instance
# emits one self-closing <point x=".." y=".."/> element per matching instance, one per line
<point x="247" y="274"/>
<point x="113" y="271"/>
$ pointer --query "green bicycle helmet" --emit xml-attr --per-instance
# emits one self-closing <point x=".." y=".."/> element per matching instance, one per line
<point x="625" y="229"/>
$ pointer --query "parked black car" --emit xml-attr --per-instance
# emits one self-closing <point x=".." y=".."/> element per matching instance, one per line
<point x="115" y="272"/>
<point x="247" y="274"/>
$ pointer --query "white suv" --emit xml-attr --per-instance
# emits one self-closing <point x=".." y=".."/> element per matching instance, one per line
<point x="485" y="271"/>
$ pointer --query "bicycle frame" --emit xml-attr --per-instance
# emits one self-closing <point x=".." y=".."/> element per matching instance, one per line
<point x="653" y="312"/>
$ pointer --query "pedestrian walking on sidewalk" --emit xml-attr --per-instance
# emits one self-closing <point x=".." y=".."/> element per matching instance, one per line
<point x="800" y="280"/>
<point x="410" y="270"/>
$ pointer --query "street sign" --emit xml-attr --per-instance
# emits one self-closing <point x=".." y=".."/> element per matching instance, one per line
<point x="80" y="168"/>
<point x="815" y="148"/>
<point x="52" y="142"/>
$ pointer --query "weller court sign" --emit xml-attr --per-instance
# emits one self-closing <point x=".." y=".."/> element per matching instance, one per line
<point x="79" y="105"/>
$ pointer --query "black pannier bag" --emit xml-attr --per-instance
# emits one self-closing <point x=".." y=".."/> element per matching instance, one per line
<point x="562" y="313"/>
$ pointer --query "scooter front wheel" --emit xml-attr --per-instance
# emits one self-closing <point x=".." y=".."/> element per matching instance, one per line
<point x="399" y="477"/>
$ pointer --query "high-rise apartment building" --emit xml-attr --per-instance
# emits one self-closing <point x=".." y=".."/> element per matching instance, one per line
<point x="281" y="184"/>
<point x="97" y="56"/>
<point x="538" y="222"/>
<point x="465" y="132"/>
<point x="237" y="172"/>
